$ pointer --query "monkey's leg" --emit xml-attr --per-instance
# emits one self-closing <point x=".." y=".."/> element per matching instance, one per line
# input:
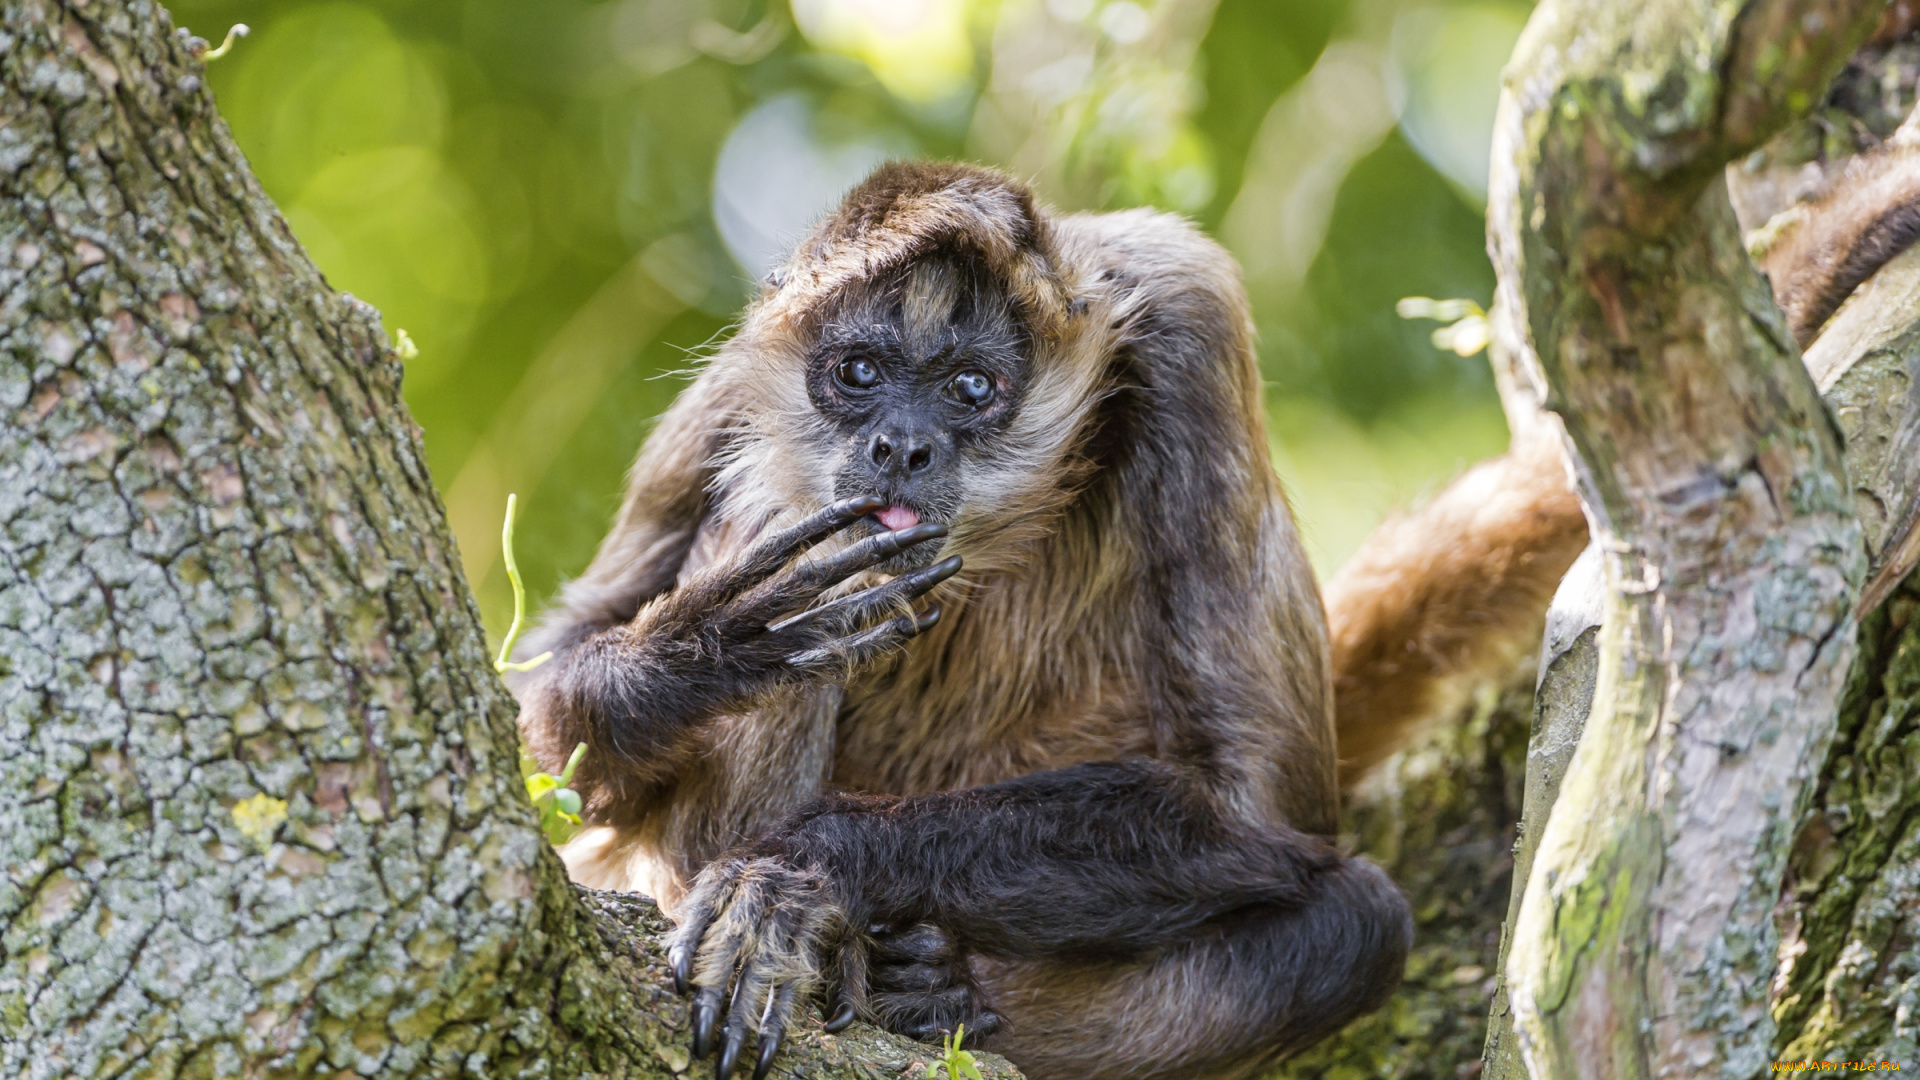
<point x="1244" y="991"/>
<point x="1100" y="860"/>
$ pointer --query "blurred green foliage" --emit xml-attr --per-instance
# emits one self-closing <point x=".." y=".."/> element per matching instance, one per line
<point x="563" y="202"/>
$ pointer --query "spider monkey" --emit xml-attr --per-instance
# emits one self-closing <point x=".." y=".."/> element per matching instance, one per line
<point x="954" y="649"/>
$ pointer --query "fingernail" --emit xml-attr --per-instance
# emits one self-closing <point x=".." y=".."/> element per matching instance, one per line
<point x="703" y="1018"/>
<point x="768" y="1049"/>
<point x="680" y="959"/>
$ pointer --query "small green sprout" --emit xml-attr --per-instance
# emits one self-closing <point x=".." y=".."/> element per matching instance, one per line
<point x="1467" y="331"/>
<point x="237" y="30"/>
<point x="559" y="804"/>
<point x="504" y="665"/>
<point x="403" y="346"/>
<point x="957" y="1062"/>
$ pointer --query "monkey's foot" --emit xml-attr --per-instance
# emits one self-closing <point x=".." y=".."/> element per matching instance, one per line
<point x="757" y="925"/>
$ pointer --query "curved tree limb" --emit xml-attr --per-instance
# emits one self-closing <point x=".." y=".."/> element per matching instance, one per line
<point x="1714" y="480"/>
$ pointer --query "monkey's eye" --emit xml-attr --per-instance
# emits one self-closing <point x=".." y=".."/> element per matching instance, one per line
<point x="858" y="373"/>
<point x="972" y="388"/>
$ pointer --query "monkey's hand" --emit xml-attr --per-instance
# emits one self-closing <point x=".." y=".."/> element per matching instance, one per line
<point x="742" y="628"/>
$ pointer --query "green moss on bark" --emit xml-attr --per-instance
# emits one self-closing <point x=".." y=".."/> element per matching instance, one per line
<point x="1849" y="984"/>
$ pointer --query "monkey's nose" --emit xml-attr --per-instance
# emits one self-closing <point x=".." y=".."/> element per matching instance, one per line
<point x="897" y="454"/>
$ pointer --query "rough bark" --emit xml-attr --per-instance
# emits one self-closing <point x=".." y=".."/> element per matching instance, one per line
<point x="1644" y="944"/>
<point x="1848" y="985"/>
<point x="1848" y="988"/>
<point x="228" y="597"/>
<point x="1569" y="667"/>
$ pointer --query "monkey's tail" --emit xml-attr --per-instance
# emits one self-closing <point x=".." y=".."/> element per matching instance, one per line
<point x="1444" y="598"/>
<point x="1818" y="252"/>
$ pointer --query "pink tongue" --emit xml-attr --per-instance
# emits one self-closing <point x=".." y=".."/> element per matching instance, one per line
<point x="898" y="517"/>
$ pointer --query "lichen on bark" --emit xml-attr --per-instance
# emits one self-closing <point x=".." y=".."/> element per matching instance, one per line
<point x="226" y="581"/>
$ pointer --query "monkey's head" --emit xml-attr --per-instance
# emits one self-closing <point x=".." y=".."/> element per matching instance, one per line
<point x="918" y="347"/>
<point x="914" y="378"/>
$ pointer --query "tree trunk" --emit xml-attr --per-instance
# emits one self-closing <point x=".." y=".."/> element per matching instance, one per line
<point x="1866" y="363"/>
<point x="261" y="809"/>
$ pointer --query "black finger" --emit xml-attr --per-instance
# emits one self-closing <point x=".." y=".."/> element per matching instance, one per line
<point x="843" y="615"/>
<point x="852" y="969"/>
<point x="768" y="555"/>
<point x="768" y="1048"/>
<point x="683" y="944"/>
<point x="773" y="1027"/>
<point x="730" y="1053"/>
<point x="923" y="943"/>
<point x="857" y="650"/>
<point x="923" y="1015"/>
<point x="890" y="635"/>
<point x="982" y="1026"/>
<point x="740" y="1012"/>
<point x="924" y="978"/>
<point x="810" y="578"/>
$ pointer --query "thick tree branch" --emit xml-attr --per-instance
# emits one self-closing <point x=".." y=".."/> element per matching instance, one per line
<point x="1643" y="945"/>
<point x="262" y="813"/>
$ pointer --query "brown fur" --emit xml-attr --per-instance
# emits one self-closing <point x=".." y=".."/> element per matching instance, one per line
<point x="1047" y="663"/>
<point x="1825" y="248"/>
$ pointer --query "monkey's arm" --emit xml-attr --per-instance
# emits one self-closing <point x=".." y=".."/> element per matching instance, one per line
<point x="665" y="502"/>
<point x="1118" y="855"/>
<point x="1444" y="597"/>
<point x="636" y="693"/>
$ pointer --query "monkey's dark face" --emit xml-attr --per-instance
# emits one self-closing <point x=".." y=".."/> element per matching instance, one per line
<point x="915" y="378"/>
